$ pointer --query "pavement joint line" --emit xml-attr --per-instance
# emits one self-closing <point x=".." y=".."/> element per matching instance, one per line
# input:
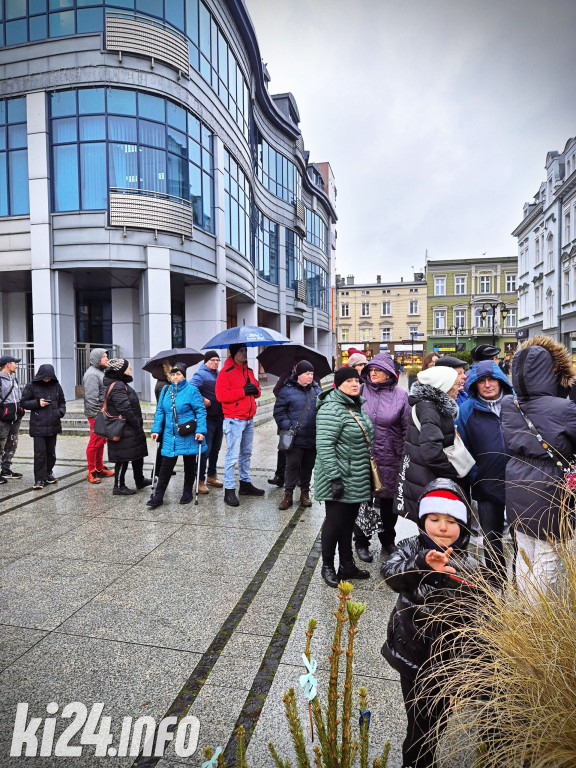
<point x="192" y="687"/>
<point x="37" y="496"/>
<point x="258" y="694"/>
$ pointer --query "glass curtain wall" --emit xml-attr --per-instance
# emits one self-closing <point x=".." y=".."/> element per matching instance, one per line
<point x="115" y="138"/>
<point x="14" y="200"/>
<point x="294" y="263"/>
<point x="316" y="286"/>
<point x="23" y="21"/>
<point x="265" y="243"/>
<point x="237" y="201"/>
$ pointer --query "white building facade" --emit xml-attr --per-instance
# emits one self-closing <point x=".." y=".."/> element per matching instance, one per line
<point x="152" y="191"/>
<point x="547" y="253"/>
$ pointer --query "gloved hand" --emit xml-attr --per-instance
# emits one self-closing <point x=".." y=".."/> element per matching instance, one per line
<point x="337" y="488"/>
<point x="250" y="389"/>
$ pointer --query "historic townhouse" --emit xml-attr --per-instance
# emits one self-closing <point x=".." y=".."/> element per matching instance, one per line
<point x="152" y="191"/>
<point x="547" y="253"/>
<point x="471" y="302"/>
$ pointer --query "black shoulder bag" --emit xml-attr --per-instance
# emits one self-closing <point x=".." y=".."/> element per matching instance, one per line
<point x="105" y="425"/>
<point x="187" y="427"/>
<point x="286" y="436"/>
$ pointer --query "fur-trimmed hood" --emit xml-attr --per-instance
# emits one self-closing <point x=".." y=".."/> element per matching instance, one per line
<point x="445" y="404"/>
<point x="542" y="366"/>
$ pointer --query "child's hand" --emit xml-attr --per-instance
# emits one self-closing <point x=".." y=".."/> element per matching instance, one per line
<point x="438" y="561"/>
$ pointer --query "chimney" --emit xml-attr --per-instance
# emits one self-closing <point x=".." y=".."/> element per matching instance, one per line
<point x="401" y="279"/>
<point x="350" y="280"/>
<point x="338" y="278"/>
<point x="378" y="278"/>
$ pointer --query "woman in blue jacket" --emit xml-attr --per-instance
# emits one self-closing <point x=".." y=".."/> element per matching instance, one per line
<point x="179" y="404"/>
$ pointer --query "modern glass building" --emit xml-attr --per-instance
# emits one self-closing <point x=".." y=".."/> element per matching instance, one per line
<point x="152" y="191"/>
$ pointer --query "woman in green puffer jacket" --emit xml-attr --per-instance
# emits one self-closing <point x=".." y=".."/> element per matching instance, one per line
<point x="342" y="471"/>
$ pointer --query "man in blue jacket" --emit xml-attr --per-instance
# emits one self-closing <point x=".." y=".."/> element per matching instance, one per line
<point x="205" y="379"/>
<point x="480" y="426"/>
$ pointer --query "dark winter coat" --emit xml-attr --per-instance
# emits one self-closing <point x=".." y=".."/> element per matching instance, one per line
<point x="230" y="391"/>
<point x="205" y="380"/>
<point x="542" y="374"/>
<point x="388" y="409"/>
<point x="341" y="448"/>
<point x="424" y="459"/>
<point x="189" y="406"/>
<point x="124" y="401"/>
<point x="290" y="403"/>
<point x="44" y="421"/>
<point x="416" y="619"/>
<point x="481" y="430"/>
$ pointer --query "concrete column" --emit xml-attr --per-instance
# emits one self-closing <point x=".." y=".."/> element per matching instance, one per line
<point x="3" y="337"/>
<point x="282" y="279"/>
<point x="155" y="309"/>
<point x="247" y="314"/>
<point x="126" y="329"/>
<point x="219" y="310"/>
<point x="296" y="331"/>
<point x="203" y="307"/>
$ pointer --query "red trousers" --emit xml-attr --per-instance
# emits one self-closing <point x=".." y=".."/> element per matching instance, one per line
<point x="95" y="449"/>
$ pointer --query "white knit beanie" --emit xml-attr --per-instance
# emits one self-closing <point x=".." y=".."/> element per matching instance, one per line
<point x="441" y="377"/>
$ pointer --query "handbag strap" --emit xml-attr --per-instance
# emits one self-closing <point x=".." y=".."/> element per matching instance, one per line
<point x="303" y="411"/>
<point x="174" y="408"/>
<point x="9" y="393"/>
<point x="362" y="427"/>
<point x="555" y="455"/>
<point x="105" y="403"/>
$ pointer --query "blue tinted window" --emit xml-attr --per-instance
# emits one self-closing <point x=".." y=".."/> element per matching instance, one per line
<point x="65" y="171"/>
<point x="15" y="9"/>
<point x="3" y="185"/>
<point x="153" y="7"/>
<point x="192" y="20"/>
<point x="16" y="110"/>
<point x="177" y="141"/>
<point x="123" y="165"/>
<point x="17" y="136"/>
<point x="153" y="134"/>
<point x="38" y="28"/>
<point x="84" y="3"/>
<point x="175" y="13"/>
<point x="92" y="128"/>
<point x="64" y="130"/>
<point x="153" y="169"/>
<point x="204" y="31"/>
<point x="37" y="6"/>
<point x="61" y="24"/>
<point x="91" y="100"/>
<point x="175" y="116"/>
<point x="93" y="175"/>
<point x="177" y="180"/>
<point x="16" y="32"/>
<point x="121" y="102"/>
<point x="2" y="138"/>
<point x="56" y="5"/>
<point x="151" y="107"/>
<point x="90" y="20"/>
<point x="122" y="129"/>
<point x="121" y="4"/>
<point x="194" y="151"/>
<point x="63" y="103"/>
<point x="194" y="127"/>
<point x="2" y="112"/>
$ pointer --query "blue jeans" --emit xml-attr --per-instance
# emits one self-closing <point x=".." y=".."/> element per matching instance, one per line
<point x="214" y="435"/>
<point x="239" y="439"/>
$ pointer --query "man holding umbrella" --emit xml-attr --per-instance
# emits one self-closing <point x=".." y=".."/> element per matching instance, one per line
<point x="237" y="390"/>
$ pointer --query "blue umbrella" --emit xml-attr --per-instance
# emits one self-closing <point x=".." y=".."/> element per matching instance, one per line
<point x="249" y="335"/>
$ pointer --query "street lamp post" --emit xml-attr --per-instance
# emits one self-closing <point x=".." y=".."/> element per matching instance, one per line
<point x="503" y="313"/>
<point x="455" y="330"/>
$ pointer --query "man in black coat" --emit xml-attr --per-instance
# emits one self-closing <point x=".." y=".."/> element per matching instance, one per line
<point x="44" y="398"/>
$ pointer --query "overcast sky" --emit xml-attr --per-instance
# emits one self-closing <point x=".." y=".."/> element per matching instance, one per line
<point x="435" y="115"/>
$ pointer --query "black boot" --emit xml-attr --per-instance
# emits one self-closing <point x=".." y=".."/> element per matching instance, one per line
<point x="351" y="571"/>
<point x="123" y="490"/>
<point x="364" y="553"/>
<point x="186" y="497"/>
<point x="276" y="480"/>
<point x="157" y="500"/>
<point x="329" y="575"/>
<point x="230" y="497"/>
<point x="143" y="483"/>
<point x="247" y="489"/>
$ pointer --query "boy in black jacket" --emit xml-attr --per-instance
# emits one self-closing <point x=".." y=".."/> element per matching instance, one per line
<point x="428" y="570"/>
<point x="44" y="398"/>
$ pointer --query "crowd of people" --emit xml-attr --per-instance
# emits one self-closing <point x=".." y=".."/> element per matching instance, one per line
<point x="458" y="443"/>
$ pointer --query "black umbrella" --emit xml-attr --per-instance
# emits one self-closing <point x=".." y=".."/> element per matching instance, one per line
<point x="177" y="355"/>
<point x="280" y="359"/>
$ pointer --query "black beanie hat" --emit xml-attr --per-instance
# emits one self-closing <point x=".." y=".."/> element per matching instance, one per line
<point x="234" y="348"/>
<point x="210" y="354"/>
<point x="179" y="367"/>
<point x="345" y="373"/>
<point x="304" y="367"/>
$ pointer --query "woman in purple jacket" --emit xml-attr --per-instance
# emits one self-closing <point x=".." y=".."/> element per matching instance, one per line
<point x="387" y="406"/>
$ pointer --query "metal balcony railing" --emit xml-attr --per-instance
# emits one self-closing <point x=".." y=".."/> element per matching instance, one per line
<point x="24" y="351"/>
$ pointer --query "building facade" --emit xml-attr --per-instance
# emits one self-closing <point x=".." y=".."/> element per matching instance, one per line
<point x="381" y="316"/>
<point x="152" y="191"/>
<point x="471" y="302"/>
<point x="547" y="253"/>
